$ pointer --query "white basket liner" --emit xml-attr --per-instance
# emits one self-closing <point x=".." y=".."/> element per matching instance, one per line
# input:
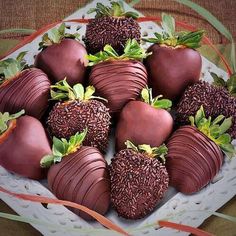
<point x="208" y="199"/>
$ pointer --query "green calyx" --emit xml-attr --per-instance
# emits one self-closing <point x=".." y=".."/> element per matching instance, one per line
<point x="230" y="84"/>
<point x="115" y="10"/>
<point x="63" y="91"/>
<point x="176" y="39"/>
<point x="56" y="35"/>
<point x="215" y="130"/>
<point x="6" y="117"/>
<point x="146" y="95"/>
<point x="152" y="152"/>
<point x="132" y="50"/>
<point x="10" y="67"/>
<point x="62" y="148"/>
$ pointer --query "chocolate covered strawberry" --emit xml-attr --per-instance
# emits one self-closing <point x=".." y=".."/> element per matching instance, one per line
<point x="77" y="110"/>
<point x="146" y="121"/>
<point x="138" y="180"/>
<point x="79" y="174"/>
<point x="217" y="98"/>
<point x="118" y="78"/>
<point x="113" y="26"/>
<point x="174" y="63"/>
<point x="22" y="87"/>
<point x="195" y="152"/>
<point x="62" y="56"/>
<point x="23" y="143"/>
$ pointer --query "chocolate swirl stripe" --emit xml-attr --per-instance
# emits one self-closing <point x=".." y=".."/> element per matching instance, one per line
<point x="118" y="81"/>
<point x="193" y="159"/>
<point x="29" y="91"/>
<point x="82" y="177"/>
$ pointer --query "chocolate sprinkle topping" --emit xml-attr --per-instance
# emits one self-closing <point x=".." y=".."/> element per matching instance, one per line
<point x="215" y="100"/>
<point x="112" y="31"/>
<point x="66" y="119"/>
<point x="138" y="182"/>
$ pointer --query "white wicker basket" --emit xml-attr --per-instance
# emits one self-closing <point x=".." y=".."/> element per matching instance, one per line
<point x="182" y="209"/>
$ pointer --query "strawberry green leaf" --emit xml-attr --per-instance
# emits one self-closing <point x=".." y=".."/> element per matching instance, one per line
<point x="217" y="80"/>
<point x="218" y="119"/>
<point x="146" y="95"/>
<point x="227" y="123"/>
<point x="171" y="38"/>
<point x="168" y="24"/>
<point x="62" y="91"/>
<point x="6" y="117"/>
<point x="10" y="67"/>
<point x="132" y="50"/>
<point x="215" y="130"/>
<point x="152" y="152"/>
<point x="231" y="84"/>
<point x="56" y="35"/>
<point x="78" y="90"/>
<point x="115" y="10"/>
<point x="62" y="148"/>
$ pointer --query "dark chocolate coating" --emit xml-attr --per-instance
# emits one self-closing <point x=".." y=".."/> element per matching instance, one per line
<point x="138" y="183"/>
<point x="141" y="123"/>
<point x="28" y="91"/>
<point x="119" y="81"/>
<point x="66" y="119"/>
<point x="22" y="151"/>
<point x="215" y="100"/>
<point x="66" y="59"/>
<point x="171" y="70"/>
<point x="114" y="31"/>
<point x="193" y="159"/>
<point x="82" y="177"/>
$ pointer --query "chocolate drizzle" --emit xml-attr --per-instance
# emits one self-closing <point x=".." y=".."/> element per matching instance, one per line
<point x="28" y="91"/>
<point x="82" y="177"/>
<point x="138" y="183"/>
<point x="193" y="159"/>
<point x="119" y="81"/>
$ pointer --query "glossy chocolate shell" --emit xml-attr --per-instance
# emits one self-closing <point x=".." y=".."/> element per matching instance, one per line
<point x="171" y="70"/>
<point x="82" y="177"/>
<point x="23" y="149"/>
<point x="143" y="124"/>
<point x="28" y="91"/>
<point x="138" y="183"/>
<point x="66" y="59"/>
<point x="193" y="160"/>
<point x="119" y="81"/>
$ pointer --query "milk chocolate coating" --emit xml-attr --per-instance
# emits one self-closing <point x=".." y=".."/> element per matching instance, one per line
<point x="82" y="177"/>
<point x="170" y="70"/>
<point x="22" y="151"/>
<point x="114" y="31"/>
<point x="141" y="123"/>
<point x="193" y="160"/>
<point x="119" y="81"/>
<point x="138" y="183"/>
<point x="66" y="59"/>
<point x="28" y="91"/>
